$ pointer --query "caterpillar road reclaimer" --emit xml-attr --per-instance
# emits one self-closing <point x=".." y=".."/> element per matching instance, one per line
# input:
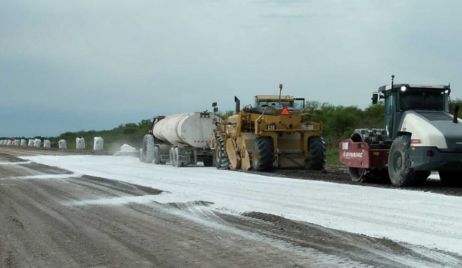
<point x="420" y="136"/>
<point x="274" y="133"/>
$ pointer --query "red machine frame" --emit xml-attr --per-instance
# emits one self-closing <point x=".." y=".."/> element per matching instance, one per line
<point x="361" y="155"/>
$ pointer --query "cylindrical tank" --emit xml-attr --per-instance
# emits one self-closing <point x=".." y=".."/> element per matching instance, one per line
<point x="37" y="143"/>
<point x="47" y="144"/>
<point x="62" y="144"/>
<point x="23" y="142"/>
<point x="30" y="142"/>
<point x="193" y="129"/>
<point x="80" y="143"/>
<point x="98" y="144"/>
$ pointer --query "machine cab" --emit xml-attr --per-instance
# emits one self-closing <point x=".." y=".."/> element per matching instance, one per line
<point x="400" y="98"/>
<point x="274" y="101"/>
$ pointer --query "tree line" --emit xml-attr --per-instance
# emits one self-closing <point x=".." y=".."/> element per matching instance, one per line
<point x="338" y="122"/>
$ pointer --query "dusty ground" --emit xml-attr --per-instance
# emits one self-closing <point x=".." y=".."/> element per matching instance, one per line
<point x="45" y="223"/>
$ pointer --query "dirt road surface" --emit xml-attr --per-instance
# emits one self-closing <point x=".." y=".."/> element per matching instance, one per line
<point x="48" y="219"/>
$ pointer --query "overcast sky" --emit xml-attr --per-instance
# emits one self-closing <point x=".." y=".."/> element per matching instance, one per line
<point x="81" y="65"/>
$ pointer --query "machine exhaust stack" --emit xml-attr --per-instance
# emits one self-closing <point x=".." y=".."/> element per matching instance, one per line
<point x="280" y="91"/>
<point x="238" y="104"/>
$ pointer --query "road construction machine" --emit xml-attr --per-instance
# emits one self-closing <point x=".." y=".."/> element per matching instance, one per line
<point x="179" y="139"/>
<point x="419" y="136"/>
<point x="274" y="133"/>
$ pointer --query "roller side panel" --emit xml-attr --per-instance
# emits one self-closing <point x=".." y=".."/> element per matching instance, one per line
<point x="361" y="155"/>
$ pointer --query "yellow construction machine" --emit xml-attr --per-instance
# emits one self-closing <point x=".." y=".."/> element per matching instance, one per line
<point x="274" y="133"/>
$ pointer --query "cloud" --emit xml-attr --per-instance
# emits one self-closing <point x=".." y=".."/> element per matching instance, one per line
<point x="102" y="63"/>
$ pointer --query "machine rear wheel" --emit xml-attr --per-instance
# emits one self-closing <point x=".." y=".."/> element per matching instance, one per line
<point x="450" y="178"/>
<point x="399" y="164"/>
<point x="318" y="153"/>
<point x="221" y="158"/>
<point x="262" y="157"/>
<point x="147" y="152"/>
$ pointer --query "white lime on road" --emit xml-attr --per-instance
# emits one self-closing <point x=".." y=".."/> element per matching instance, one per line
<point x="419" y="218"/>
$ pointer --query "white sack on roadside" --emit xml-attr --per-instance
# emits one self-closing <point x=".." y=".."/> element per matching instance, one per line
<point x="79" y="143"/>
<point x="37" y="143"/>
<point x="47" y="144"/>
<point x="62" y="144"/>
<point x="98" y="144"/>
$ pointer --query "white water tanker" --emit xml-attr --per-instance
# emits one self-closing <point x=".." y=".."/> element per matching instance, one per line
<point x="180" y="139"/>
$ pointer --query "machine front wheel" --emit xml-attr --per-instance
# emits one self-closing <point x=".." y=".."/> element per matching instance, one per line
<point x="317" y="147"/>
<point x="399" y="163"/>
<point x="262" y="159"/>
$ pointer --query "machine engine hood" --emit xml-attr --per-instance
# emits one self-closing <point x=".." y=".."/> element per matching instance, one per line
<point x="433" y="128"/>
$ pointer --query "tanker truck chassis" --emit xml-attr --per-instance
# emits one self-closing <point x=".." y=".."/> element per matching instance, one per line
<point x="179" y="140"/>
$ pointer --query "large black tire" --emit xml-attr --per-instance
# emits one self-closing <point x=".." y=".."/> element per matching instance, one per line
<point x="451" y="178"/>
<point x="221" y="158"/>
<point x="318" y="153"/>
<point x="147" y="152"/>
<point x="262" y="158"/>
<point x="399" y="164"/>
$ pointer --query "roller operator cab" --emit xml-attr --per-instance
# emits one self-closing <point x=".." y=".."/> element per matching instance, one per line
<point x="420" y="135"/>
